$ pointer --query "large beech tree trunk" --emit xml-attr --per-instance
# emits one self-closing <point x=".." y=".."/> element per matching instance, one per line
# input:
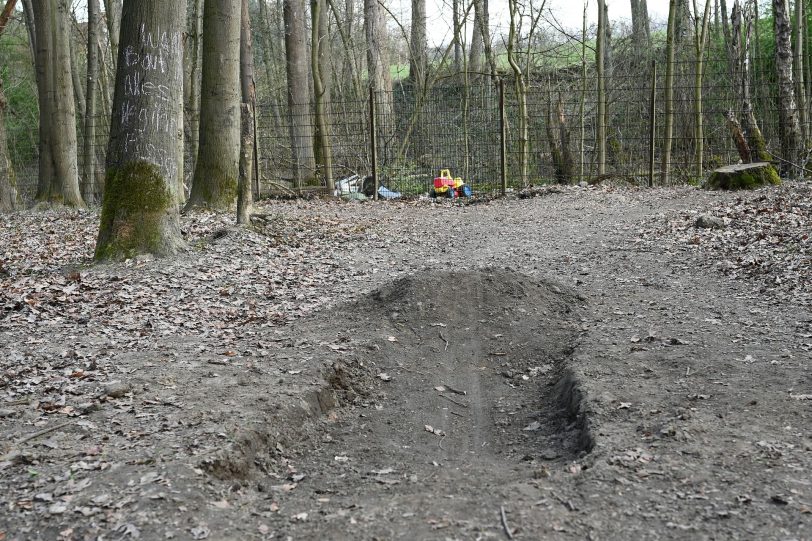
<point x="297" y="62"/>
<point x="58" y="168"/>
<point x="217" y="169"/>
<point x="140" y="213"/>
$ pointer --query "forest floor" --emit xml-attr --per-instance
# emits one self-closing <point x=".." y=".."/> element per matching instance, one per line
<point x="591" y="363"/>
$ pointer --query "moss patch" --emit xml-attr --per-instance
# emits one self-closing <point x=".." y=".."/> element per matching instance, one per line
<point x="743" y="177"/>
<point x="135" y="202"/>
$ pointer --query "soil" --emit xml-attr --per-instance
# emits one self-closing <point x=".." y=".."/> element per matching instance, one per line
<point x="585" y="364"/>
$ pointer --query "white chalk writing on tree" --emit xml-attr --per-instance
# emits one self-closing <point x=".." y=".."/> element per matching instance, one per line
<point x="151" y="71"/>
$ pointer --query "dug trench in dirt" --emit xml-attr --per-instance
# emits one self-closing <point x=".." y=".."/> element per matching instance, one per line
<point x="455" y="392"/>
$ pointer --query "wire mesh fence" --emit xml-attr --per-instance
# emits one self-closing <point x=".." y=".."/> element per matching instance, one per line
<point x="549" y="132"/>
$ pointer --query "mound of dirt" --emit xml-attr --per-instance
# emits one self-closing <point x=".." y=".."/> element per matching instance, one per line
<point x="459" y="378"/>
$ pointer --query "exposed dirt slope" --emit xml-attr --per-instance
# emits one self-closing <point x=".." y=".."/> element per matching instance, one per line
<point x="260" y="396"/>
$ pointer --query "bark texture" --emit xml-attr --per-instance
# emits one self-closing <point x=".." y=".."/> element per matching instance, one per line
<point x="418" y="60"/>
<point x="140" y="213"/>
<point x="58" y="168"/>
<point x="90" y="189"/>
<point x="301" y="133"/>
<point x="8" y="181"/>
<point x="319" y="50"/>
<point x="377" y="50"/>
<point x="217" y="169"/>
<point x="789" y="126"/>
<point x="192" y="80"/>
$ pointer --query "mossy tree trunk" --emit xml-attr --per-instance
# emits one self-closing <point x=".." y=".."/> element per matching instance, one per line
<point x="58" y="167"/>
<point x="217" y="169"/>
<point x="140" y="212"/>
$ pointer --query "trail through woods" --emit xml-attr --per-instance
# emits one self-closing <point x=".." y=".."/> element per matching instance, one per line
<point x="588" y="363"/>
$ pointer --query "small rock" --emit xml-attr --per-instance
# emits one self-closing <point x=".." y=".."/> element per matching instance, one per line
<point x="6" y="413"/>
<point x="583" y="184"/>
<point x="116" y="389"/>
<point x="549" y="454"/>
<point x="703" y="221"/>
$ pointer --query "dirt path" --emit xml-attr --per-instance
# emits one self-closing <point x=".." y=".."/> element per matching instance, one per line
<point x="617" y="385"/>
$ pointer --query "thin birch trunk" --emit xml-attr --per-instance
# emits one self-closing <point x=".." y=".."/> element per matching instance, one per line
<point x="787" y="112"/>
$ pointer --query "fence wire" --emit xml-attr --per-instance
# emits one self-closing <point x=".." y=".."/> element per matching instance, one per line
<point x="456" y="125"/>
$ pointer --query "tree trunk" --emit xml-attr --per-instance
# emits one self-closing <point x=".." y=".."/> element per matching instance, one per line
<point x="245" y="197"/>
<point x="112" y="14"/>
<point x="665" y="164"/>
<point x="789" y="129"/>
<point x="248" y="92"/>
<point x="520" y="86"/>
<point x="477" y="43"/>
<point x="799" y="32"/>
<point x="140" y="210"/>
<point x="192" y="82"/>
<point x="301" y="131"/>
<point x="321" y="93"/>
<point x="640" y="25"/>
<point x="726" y="28"/>
<point x="214" y="184"/>
<point x="601" y="75"/>
<point x="418" y="59"/>
<point x="700" y="38"/>
<point x="8" y="181"/>
<point x="58" y="170"/>
<point x="90" y="189"/>
<point x="738" y="137"/>
<point x="377" y="50"/>
<point x="455" y="6"/>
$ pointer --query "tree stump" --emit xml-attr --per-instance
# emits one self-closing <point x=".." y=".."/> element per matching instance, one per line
<point x="744" y="176"/>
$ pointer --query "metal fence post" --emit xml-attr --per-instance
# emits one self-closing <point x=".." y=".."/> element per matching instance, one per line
<point x="502" y="137"/>
<point x="652" y="124"/>
<point x="373" y="138"/>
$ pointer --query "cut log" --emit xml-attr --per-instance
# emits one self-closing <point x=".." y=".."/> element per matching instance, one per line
<point x="744" y="176"/>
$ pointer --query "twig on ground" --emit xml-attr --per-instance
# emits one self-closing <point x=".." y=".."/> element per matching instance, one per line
<point x="42" y="432"/>
<point x="453" y="390"/>
<point x="454" y="401"/>
<point x="504" y="522"/>
<point x="444" y="340"/>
